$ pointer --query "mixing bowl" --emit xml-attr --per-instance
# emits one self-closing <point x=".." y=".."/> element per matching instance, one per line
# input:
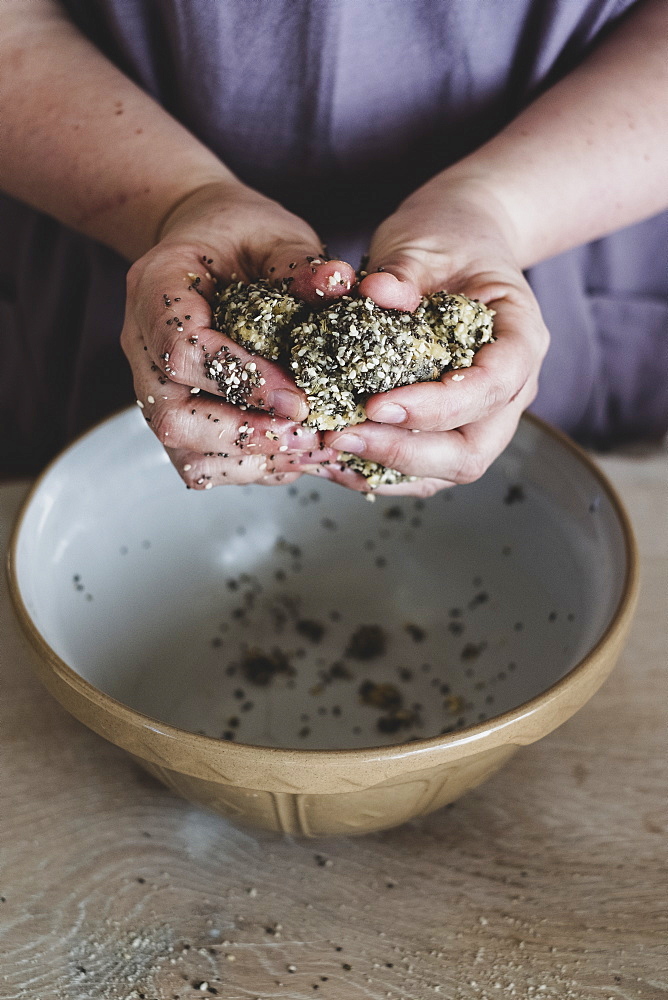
<point x="303" y="661"/>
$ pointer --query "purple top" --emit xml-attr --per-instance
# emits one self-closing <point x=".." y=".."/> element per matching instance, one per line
<point x="369" y="100"/>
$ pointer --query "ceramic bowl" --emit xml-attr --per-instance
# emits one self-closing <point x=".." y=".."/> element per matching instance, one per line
<point x="301" y="660"/>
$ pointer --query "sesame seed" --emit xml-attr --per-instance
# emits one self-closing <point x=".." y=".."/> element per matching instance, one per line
<point x="187" y="468"/>
<point x="150" y="399"/>
<point x="139" y="404"/>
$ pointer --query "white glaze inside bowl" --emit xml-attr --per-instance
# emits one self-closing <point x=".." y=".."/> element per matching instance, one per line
<point x="170" y="600"/>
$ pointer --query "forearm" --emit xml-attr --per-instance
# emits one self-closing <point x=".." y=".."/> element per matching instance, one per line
<point x="81" y="141"/>
<point x="590" y="155"/>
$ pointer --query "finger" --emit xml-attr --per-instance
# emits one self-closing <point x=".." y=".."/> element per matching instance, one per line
<point x="203" y="473"/>
<point x="175" y="329"/>
<point x="205" y="425"/>
<point x="212" y="362"/>
<point x="417" y="487"/>
<point x="457" y="456"/>
<point x="501" y="372"/>
<point x="208" y="360"/>
<point x="398" y="277"/>
<point x="200" y="422"/>
<point x="315" y="279"/>
<point x="391" y="288"/>
<point x="279" y="479"/>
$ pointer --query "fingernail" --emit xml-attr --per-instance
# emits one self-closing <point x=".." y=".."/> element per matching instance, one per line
<point x="349" y="442"/>
<point x="287" y="403"/>
<point x="389" y="413"/>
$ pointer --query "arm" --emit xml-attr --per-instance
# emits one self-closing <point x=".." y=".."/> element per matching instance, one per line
<point x="587" y="157"/>
<point x="82" y="142"/>
<point x="591" y="154"/>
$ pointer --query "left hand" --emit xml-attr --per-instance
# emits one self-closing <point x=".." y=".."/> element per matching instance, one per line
<point x="168" y="338"/>
<point x="450" y="237"/>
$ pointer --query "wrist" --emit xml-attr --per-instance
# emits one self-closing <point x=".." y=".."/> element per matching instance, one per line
<point x="240" y="226"/>
<point x="490" y="190"/>
<point x="466" y="213"/>
<point x="196" y="201"/>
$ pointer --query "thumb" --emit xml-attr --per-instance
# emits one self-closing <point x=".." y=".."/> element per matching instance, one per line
<point x="397" y="277"/>
<point x="390" y="291"/>
<point x="311" y="276"/>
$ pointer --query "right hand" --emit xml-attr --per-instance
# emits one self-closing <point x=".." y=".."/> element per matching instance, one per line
<point x="219" y="231"/>
<point x="449" y="234"/>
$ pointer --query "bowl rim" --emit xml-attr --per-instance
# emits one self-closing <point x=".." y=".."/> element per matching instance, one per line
<point x="113" y="719"/>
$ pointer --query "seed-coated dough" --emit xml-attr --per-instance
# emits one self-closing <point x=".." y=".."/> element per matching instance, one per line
<point x="351" y="349"/>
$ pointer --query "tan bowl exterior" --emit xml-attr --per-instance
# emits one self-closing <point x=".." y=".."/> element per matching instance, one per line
<point x="314" y="793"/>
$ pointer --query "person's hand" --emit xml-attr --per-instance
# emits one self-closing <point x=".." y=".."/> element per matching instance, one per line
<point x="219" y="232"/>
<point x="453" y="238"/>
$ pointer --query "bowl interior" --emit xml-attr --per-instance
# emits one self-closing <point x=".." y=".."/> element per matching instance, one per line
<point x="305" y="617"/>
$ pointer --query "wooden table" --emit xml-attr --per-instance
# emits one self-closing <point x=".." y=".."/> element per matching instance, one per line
<point x="549" y="881"/>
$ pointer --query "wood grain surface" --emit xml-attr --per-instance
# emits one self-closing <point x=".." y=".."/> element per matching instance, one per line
<point x="549" y="881"/>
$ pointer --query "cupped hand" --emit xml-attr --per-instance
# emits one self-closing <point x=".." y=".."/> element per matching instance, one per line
<point x="223" y="414"/>
<point x="450" y="237"/>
